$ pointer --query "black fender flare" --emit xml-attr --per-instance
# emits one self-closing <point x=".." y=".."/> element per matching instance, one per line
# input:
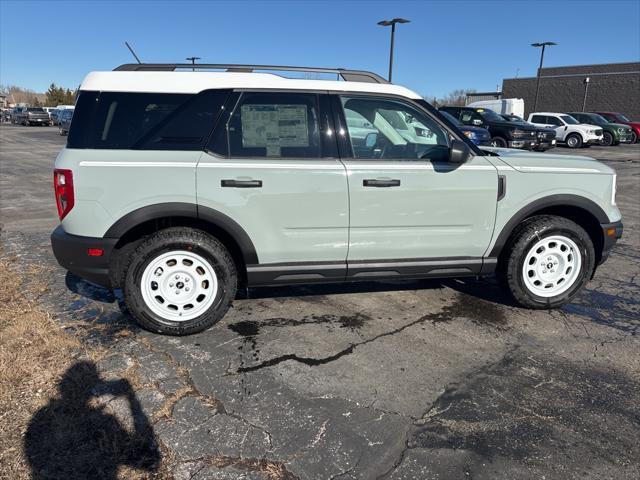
<point x="560" y="200"/>
<point x="187" y="210"/>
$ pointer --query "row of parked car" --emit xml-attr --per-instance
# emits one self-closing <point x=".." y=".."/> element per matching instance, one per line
<point x="44" y="116"/>
<point x="543" y="130"/>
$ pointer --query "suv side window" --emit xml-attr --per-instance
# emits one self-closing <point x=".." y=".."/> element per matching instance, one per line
<point x="383" y="128"/>
<point x="555" y="121"/>
<point x="274" y="125"/>
<point x="539" y="119"/>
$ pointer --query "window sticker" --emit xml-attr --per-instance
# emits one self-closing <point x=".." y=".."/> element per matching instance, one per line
<point x="274" y="126"/>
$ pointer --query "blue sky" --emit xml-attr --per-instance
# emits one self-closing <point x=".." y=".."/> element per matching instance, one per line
<point x="448" y="44"/>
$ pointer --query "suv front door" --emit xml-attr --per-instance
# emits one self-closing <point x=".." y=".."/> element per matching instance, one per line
<point x="411" y="211"/>
<point x="272" y="166"/>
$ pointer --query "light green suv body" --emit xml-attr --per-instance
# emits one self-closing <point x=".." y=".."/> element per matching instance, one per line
<point x="279" y="186"/>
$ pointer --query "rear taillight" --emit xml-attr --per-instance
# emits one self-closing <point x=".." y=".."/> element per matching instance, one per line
<point x="63" y="188"/>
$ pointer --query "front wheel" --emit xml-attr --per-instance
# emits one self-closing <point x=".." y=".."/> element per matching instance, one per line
<point x="634" y="137"/>
<point x="607" y="139"/>
<point x="574" y="141"/>
<point x="547" y="261"/>
<point x="179" y="281"/>
<point x="498" y="142"/>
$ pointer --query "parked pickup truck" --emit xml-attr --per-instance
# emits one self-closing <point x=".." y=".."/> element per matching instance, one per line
<point x="545" y="138"/>
<point x="33" y="116"/>
<point x="503" y="133"/>
<point x="568" y="130"/>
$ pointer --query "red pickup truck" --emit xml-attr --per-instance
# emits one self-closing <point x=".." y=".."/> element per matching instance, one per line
<point x="617" y="117"/>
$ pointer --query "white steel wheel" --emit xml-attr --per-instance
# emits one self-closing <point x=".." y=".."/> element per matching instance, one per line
<point x="179" y="285"/>
<point x="552" y="266"/>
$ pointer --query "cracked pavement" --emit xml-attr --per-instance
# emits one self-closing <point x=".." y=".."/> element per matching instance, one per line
<point x="399" y="380"/>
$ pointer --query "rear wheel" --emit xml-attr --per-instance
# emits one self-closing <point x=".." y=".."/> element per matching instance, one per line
<point x="607" y="139"/>
<point x="574" y="140"/>
<point x="547" y="261"/>
<point x="179" y="281"/>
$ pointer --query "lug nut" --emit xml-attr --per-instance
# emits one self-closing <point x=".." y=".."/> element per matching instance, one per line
<point x="186" y="289"/>
<point x="171" y="284"/>
<point x="177" y="277"/>
<point x="177" y="292"/>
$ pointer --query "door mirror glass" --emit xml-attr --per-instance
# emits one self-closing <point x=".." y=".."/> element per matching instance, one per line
<point x="371" y="139"/>
<point x="459" y="152"/>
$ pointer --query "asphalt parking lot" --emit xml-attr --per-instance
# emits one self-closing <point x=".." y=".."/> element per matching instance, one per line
<point x="410" y="380"/>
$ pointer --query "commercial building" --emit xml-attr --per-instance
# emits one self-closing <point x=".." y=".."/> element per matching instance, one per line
<point x="606" y="87"/>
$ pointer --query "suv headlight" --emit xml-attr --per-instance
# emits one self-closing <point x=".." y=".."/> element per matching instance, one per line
<point x="614" y="189"/>
<point x="470" y="135"/>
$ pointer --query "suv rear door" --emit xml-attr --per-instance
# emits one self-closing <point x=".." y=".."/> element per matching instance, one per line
<point x="410" y="209"/>
<point x="272" y="167"/>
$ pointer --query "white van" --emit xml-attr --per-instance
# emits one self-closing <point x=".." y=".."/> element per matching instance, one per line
<point x="505" y="106"/>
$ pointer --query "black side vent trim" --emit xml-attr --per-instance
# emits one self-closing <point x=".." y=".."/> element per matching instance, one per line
<point x="502" y="186"/>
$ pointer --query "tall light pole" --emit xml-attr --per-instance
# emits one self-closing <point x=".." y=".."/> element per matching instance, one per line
<point x="193" y="62"/>
<point x="586" y="88"/>
<point x="543" y="45"/>
<point x="392" y="22"/>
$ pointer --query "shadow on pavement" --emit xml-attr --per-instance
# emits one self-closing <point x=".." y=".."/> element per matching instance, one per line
<point x="74" y="437"/>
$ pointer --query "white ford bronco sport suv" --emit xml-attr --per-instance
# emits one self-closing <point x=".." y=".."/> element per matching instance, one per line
<point x="568" y="130"/>
<point x="178" y="187"/>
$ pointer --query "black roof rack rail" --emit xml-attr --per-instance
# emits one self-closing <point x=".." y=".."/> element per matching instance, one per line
<point x="347" y="75"/>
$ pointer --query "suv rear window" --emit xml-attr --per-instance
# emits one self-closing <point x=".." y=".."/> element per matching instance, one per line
<point x="144" y="121"/>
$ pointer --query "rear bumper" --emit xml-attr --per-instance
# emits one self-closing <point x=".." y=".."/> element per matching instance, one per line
<point x="611" y="233"/>
<point x="71" y="252"/>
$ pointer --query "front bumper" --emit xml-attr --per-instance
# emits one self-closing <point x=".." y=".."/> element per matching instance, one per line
<point x="625" y="137"/>
<point x="71" y="252"/>
<point x="594" y="141"/>
<point x="521" y="143"/>
<point x="611" y="233"/>
<point x="545" y="144"/>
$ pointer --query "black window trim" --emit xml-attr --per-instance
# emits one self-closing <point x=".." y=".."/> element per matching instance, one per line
<point x="344" y="142"/>
<point x="223" y="122"/>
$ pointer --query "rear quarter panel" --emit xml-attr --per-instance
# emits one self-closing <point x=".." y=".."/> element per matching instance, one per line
<point x="108" y="184"/>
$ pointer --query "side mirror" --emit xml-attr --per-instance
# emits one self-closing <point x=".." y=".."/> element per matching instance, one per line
<point x="477" y="122"/>
<point x="459" y="152"/>
<point x="371" y="140"/>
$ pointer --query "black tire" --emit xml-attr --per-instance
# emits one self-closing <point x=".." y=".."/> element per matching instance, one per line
<point x="179" y="238"/>
<point x="574" y="140"/>
<point x="607" y="139"/>
<point x="528" y="233"/>
<point x="499" y="142"/>
<point x="634" y="137"/>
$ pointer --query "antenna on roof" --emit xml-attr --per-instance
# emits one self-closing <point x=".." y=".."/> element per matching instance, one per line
<point x="132" y="52"/>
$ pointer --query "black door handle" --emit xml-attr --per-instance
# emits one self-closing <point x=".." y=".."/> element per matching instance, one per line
<point x="380" y="183"/>
<point x="241" y="183"/>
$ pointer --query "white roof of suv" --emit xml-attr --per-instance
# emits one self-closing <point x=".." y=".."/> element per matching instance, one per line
<point x="195" y="82"/>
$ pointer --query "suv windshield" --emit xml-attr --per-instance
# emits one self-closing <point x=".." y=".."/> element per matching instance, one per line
<point x="452" y="119"/>
<point x="490" y="115"/>
<point x="569" y="120"/>
<point x="599" y="119"/>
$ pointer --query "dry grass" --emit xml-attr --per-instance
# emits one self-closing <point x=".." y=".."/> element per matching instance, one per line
<point x="34" y="353"/>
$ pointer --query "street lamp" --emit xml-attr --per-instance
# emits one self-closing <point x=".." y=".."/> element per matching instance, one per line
<point x="193" y="62"/>
<point x="586" y="88"/>
<point x="543" y="45"/>
<point x="386" y="23"/>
